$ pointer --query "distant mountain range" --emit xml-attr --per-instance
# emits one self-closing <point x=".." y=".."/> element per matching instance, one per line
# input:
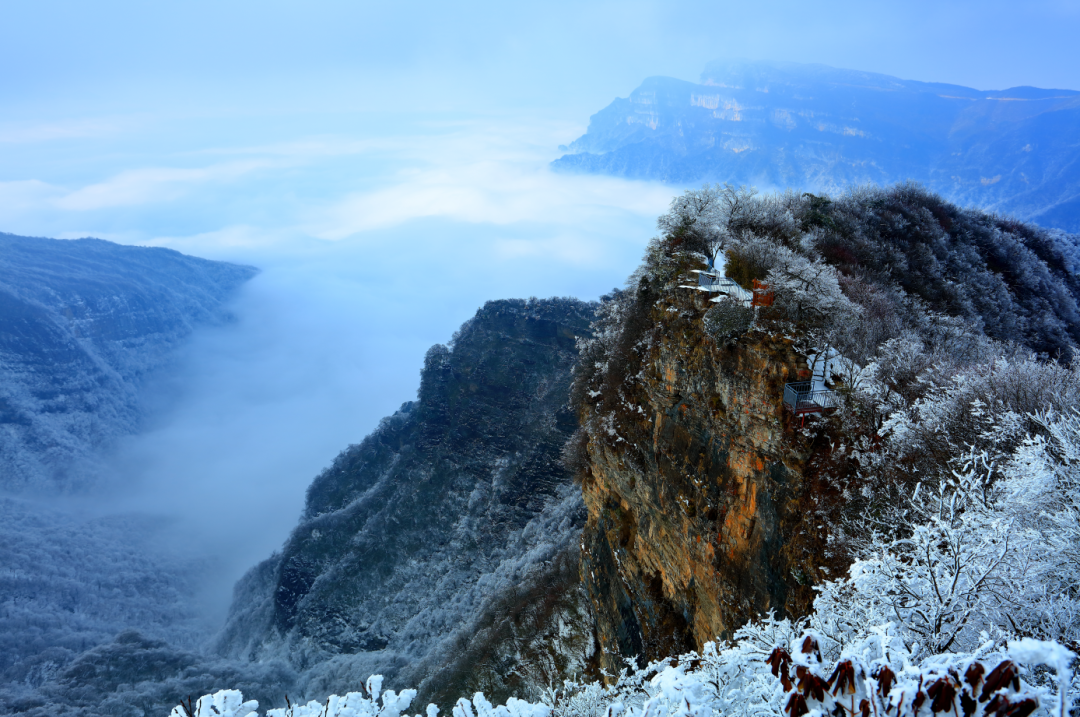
<point x="821" y="129"/>
<point x="82" y="322"/>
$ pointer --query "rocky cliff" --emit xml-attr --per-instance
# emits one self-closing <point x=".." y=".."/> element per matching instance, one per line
<point x="81" y="324"/>
<point x="818" y="128"/>
<point x="704" y="499"/>
<point x="708" y="504"/>
<point x="440" y="552"/>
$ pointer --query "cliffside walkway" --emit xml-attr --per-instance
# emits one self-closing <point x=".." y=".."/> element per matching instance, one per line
<point x="804" y="397"/>
<point x="713" y="282"/>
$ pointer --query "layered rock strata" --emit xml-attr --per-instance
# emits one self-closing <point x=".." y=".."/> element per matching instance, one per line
<point x="702" y="496"/>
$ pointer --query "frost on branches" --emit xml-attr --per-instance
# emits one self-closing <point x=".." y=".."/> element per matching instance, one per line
<point x="773" y="668"/>
<point x="963" y="595"/>
<point x="960" y="601"/>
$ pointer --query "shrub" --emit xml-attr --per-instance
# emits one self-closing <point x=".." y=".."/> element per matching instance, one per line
<point x="728" y="320"/>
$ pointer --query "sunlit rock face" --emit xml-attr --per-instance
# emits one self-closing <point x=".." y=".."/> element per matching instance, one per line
<point x="816" y="128"/>
<point x="702" y="505"/>
<point x="441" y="552"/>
<point x="82" y="323"/>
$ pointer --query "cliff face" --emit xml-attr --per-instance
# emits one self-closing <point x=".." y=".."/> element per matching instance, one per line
<point x="81" y="323"/>
<point x="701" y="498"/>
<point x="440" y="551"/>
<point x="817" y="128"/>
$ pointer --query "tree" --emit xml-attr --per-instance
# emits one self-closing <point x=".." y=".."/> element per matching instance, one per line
<point x="707" y="220"/>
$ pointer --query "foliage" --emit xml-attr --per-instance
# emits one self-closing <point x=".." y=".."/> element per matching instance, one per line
<point x="772" y="668"/>
<point x="706" y="220"/>
<point x="963" y="526"/>
<point x="962" y="522"/>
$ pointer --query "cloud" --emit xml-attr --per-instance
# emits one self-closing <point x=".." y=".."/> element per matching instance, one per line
<point x="26" y="193"/>
<point x="63" y="130"/>
<point x="373" y="246"/>
<point x="492" y="173"/>
<point x="142" y="186"/>
<point x="486" y="192"/>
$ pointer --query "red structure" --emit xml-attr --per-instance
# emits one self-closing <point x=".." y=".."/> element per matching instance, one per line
<point x="762" y="295"/>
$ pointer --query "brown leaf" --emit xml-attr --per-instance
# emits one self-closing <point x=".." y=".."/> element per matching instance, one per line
<point x="842" y="680"/>
<point x="1000" y="677"/>
<point x="796" y="706"/>
<point x="779" y="660"/>
<point x="885" y="678"/>
<point x="974" y="675"/>
<point x="1024" y="707"/>
<point x="967" y="704"/>
<point x="943" y="694"/>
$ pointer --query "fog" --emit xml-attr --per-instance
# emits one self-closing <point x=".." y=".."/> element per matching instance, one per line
<point x="330" y="336"/>
<point x="385" y="166"/>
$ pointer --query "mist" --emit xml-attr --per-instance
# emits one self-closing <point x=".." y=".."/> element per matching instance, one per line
<point x="330" y="336"/>
<point x="385" y="167"/>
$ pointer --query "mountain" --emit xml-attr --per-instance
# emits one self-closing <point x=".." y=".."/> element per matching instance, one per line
<point x="820" y="129"/>
<point x="441" y="551"/>
<point x="889" y="402"/>
<point x="82" y="323"/>
<point x="928" y="328"/>
<point x="84" y="326"/>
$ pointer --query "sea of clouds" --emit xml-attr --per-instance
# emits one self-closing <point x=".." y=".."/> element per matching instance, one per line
<point x="373" y="245"/>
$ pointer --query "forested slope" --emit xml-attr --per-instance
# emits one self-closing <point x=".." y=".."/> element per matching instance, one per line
<point x="82" y="322"/>
<point x="440" y="550"/>
<point x="907" y="547"/>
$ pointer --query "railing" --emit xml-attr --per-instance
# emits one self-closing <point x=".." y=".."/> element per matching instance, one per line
<point x="723" y="285"/>
<point x="802" y="397"/>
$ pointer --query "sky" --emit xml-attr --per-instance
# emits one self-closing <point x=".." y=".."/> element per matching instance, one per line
<point x="385" y="166"/>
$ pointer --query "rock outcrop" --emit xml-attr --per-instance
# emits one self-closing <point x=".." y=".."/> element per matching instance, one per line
<point x="702" y="498"/>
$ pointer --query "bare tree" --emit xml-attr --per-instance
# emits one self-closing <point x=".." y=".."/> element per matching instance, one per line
<point x="709" y="219"/>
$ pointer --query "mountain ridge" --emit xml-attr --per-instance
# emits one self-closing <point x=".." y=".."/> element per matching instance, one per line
<point x="414" y="543"/>
<point x="84" y="321"/>
<point x="817" y="128"/>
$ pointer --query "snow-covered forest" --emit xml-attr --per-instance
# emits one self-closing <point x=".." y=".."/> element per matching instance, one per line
<point x="948" y="336"/>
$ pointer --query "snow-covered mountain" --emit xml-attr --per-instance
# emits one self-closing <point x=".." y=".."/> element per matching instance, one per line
<point x="82" y="323"/>
<point x="439" y="551"/>
<point x="442" y="550"/>
<point x="817" y="128"/>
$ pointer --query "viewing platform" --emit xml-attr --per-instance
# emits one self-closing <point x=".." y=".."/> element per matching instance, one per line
<point x="804" y="397"/>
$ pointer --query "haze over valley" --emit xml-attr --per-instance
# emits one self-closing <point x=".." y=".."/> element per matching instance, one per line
<point x="280" y="407"/>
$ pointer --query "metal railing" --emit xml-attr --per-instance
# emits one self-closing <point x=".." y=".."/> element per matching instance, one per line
<point x="802" y="397"/>
<point x="723" y="285"/>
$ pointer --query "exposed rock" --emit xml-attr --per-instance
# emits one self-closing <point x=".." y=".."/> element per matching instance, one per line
<point x="701" y="496"/>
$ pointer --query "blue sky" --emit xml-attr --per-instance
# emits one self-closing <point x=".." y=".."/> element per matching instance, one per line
<point x="127" y="56"/>
<point x="386" y="166"/>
